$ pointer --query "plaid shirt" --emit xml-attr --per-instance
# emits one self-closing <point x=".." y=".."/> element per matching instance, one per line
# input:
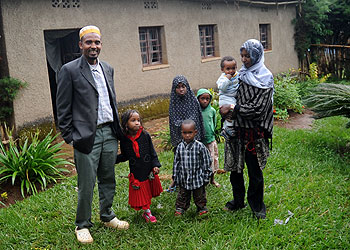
<point x="104" y="113"/>
<point x="192" y="165"/>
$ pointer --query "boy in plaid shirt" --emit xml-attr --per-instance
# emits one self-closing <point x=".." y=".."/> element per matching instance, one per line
<point x="192" y="170"/>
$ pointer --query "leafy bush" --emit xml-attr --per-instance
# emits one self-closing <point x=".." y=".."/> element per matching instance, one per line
<point x="280" y="114"/>
<point x="164" y="136"/>
<point x="311" y="81"/>
<point x="32" y="164"/>
<point x="286" y="96"/>
<point x="329" y="99"/>
<point x="9" y="88"/>
<point x="215" y="105"/>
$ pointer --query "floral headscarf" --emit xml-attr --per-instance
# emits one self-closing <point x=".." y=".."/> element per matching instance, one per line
<point x="182" y="108"/>
<point x="256" y="75"/>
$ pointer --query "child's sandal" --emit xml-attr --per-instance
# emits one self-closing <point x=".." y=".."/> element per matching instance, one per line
<point x="149" y="217"/>
<point x="171" y="189"/>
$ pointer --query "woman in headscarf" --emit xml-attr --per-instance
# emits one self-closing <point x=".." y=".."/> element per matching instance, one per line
<point x="253" y="121"/>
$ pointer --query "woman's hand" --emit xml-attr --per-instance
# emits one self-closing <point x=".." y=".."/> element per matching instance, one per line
<point x="156" y="170"/>
<point x="225" y="109"/>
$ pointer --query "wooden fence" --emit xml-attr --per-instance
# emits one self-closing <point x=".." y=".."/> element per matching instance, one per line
<point x="334" y="59"/>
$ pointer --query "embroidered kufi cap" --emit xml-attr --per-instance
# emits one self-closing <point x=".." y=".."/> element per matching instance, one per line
<point x="89" y="29"/>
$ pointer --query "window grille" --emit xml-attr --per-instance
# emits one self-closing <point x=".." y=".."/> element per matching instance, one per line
<point x="207" y="40"/>
<point x="206" y="6"/>
<point x="76" y="3"/>
<point x="150" y="44"/>
<point x="65" y="3"/>
<point x="265" y="36"/>
<point x="150" y="4"/>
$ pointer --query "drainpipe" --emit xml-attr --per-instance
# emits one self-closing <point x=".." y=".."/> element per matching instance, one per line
<point x="4" y="69"/>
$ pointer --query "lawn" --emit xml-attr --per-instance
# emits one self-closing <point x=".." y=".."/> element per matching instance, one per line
<point x="307" y="174"/>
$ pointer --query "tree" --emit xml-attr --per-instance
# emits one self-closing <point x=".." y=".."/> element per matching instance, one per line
<point x="311" y="24"/>
<point x="339" y="22"/>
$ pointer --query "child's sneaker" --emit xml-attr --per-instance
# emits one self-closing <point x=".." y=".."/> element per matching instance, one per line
<point x="149" y="217"/>
<point x="202" y="212"/>
<point x="179" y="212"/>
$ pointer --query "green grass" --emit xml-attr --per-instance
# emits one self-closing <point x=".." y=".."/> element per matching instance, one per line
<point x="307" y="174"/>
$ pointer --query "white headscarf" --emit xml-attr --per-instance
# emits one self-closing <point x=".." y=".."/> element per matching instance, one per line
<point x="256" y="75"/>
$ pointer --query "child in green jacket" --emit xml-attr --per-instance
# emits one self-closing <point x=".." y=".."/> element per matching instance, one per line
<point x="209" y="120"/>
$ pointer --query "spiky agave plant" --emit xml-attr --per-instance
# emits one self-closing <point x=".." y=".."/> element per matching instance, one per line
<point x="329" y="99"/>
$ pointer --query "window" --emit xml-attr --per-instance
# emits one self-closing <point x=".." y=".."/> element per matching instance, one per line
<point x="208" y="38"/>
<point x="265" y="36"/>
<point x="151" y="46"/>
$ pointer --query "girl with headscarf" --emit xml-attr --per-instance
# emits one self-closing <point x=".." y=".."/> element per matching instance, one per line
<point x="253" y="121"/>
<point x="183" y="105"/>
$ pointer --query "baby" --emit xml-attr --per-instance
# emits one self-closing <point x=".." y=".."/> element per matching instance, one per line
<point x="228" y="84"/>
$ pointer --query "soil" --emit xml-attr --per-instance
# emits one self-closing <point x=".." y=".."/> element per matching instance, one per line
<point x="295" y="121"/>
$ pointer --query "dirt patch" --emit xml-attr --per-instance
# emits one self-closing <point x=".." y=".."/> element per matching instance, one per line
<point x="295" y="121"/>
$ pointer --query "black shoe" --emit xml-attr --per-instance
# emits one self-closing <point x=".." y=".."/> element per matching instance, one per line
<point x="232" y="206"/>
<point x="260" y="216"/>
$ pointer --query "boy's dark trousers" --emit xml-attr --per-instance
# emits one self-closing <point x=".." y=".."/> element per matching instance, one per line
<point x="184" y="198"/>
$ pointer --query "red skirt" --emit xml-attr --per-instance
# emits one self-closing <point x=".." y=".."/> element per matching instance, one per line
<point x="141" y="198"/>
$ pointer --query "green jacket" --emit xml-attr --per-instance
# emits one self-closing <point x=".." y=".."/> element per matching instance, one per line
<point x="209" y="119"/>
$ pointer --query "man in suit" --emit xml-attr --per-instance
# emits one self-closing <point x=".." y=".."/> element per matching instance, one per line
<point x="88" y="120"/>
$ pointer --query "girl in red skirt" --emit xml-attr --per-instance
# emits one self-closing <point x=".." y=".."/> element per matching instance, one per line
<point x="137" y="147"/>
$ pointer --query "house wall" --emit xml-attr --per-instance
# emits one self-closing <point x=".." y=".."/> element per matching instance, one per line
<point x="119" y="21"/>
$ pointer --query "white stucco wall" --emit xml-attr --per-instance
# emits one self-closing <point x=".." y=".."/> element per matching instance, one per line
<point x="119" y="21"/>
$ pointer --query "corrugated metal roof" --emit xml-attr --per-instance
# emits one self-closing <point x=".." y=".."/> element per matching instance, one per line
<point x="257" y="2"/>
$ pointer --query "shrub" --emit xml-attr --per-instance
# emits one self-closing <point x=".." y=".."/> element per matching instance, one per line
<point x="215" y="105"/>
<point x="286" y="96"/>
<point x="314" y="79"/>
<point x="32" y="163"/>
<point x="9" y="88"/>
<point x="280" y="114"/>
<point x="164" y="136"/>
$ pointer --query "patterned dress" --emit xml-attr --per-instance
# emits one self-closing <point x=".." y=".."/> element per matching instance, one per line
<point x="182" y="108"/>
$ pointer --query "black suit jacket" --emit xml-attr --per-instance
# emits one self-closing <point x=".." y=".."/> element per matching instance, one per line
<point x="77" y="103"/>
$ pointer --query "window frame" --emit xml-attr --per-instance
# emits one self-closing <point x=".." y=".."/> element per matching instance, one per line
<point x="208" y="32"/>
<point x="150" y="45"/>
<point x="265" y="36"/>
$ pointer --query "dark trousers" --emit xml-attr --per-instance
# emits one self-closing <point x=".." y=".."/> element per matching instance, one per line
<point x="255" y="190"/>
<point x="184" y="198"/>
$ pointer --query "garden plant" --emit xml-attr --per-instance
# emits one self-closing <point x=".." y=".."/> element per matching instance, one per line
<point x="32" y="164"/>
<point x="329" y="99"/>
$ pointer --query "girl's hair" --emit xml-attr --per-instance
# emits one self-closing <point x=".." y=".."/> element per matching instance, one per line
<point x="125" y="118"/>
